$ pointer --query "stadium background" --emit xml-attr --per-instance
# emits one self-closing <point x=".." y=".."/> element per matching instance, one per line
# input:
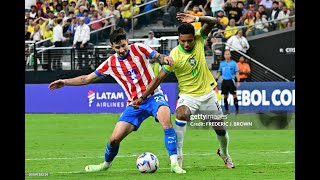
<point x="70" y="127"/>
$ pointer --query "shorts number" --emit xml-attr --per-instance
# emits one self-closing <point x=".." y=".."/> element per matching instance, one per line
<point x="159" y="99"/>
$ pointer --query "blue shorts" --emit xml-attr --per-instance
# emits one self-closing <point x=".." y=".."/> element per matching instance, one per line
<point x="147" y="108"/>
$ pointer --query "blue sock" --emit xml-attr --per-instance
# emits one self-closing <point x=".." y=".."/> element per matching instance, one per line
<point x="170" y="141"/>
<point x="111" y="152"/>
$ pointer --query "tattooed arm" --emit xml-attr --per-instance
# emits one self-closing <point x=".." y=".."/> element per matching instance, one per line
<point x="77" y="81"/>
<point x="162" y="59"/>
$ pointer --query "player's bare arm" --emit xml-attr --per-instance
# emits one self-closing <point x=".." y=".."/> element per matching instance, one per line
<point x="77" y="81"/>
<point x="208" y="21"/>
<point x="162" y="59"/>
<point x="151" y="87"/>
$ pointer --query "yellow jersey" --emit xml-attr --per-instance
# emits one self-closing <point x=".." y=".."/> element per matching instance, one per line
<point x="190" y="68"/>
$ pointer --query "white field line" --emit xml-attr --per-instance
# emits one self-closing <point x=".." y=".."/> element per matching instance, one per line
<point x="136" y="155"/>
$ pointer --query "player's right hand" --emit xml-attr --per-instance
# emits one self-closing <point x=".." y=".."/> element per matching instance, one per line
<point x="136" y="103"/>
<point x="56" y="84"/>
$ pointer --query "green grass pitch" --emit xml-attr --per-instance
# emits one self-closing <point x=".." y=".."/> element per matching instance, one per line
<point x="63" y="144"/>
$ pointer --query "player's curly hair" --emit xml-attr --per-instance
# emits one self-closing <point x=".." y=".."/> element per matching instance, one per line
<point x="186" y="28"/>
<point x="118" y="35"/>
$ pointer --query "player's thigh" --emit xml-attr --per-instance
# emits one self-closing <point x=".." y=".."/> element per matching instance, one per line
<point x="211" y="106"/>
<point x="192" y="103"/>
<point x="224" y="87"/>
<point x="135" y="116"/>
<point x="232" y="88"/>
<point x="120" y="131"/>
<point x="158" y="107"/>
<point x="163" y="116"/>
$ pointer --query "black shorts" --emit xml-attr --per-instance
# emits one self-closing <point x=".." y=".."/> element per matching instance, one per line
<point x="228" y="86"/>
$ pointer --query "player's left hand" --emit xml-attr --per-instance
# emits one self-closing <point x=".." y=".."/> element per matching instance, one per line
<point x="168" y="60"/>
<point x="186" y="18"/>
<point x="238" y="84"/>
<point x="136" y="103"/>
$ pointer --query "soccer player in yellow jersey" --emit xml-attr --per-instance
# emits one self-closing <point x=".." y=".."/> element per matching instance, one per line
<point x="196" y="82"/>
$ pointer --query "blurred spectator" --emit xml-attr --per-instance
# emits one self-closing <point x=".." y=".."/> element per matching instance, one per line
<point x="65" y="6"/>
<point x="81" y="41"/>
<point x="136" y="11"/>
<point x="36" y="35"/>
<point x="116" y="16"/>
<point x="174" y="7"/>
<point x="72" y="7"/>
<point x="40" y="13"/>
<point x="50" y="19"/>
<point x="97" y="23"/>
<point x="71" y="15"/>
<point x="149" y="17"/>
<point x="81" y="11"/>
<point x="58" y="38"/>
<point x="33" y="11"/>
<point x="91" y="10"/>
<point x="195" y="12"/>
<point x="223" y="21"/>
<point x="261" y="25"/>
<point x="274" y="15"/>
<point x="38" y="4"/>
<point x="41" y="22"/>
<point x="233" y="12"/>
<point x="241" y="7"/>
<point x="151" y="39"/>
<point x="284" y="13"/>
<point x="126" y="14"/>
<point x="216" y="5"/>
<point x="62" y="14"/>
<point x="48" y="33"/>
<point x="244" y="69"/>
<point x="72" y="28"/>
<point x="86" y="16"/>
<point x="31" y="26"/>
<point x="102" y="10"/>
<point x="263" y="12"/>
<point x="231" y="29"/>
<point x="289" y="3"/>
<point x="26" y="34"/>
<point x="57" y="9"/>
<point x="267" y="4"/>
<point x="249" y="21"/>
<point x="27" y="15"/>
<point x="238" y="42"/>
<point x="46" y="5"/>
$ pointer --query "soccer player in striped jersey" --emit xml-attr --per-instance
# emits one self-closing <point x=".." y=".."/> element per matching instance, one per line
<point x="196" y="82"/>
<point x="130" y="67"/>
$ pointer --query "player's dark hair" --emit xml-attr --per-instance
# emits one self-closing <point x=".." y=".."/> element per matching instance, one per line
<point x="186" y="28"/>
<point x="118" y="35"/>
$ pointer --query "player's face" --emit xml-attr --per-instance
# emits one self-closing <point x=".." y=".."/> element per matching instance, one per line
<point x="121" y="48"/>
<point x="187" y="41"/>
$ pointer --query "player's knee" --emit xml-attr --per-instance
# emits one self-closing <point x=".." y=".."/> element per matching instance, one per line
<point x="183" y="114"/>
<point x="114" y="141"/>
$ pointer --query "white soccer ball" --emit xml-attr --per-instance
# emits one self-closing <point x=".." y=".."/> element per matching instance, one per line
<point x="147" y="163"/>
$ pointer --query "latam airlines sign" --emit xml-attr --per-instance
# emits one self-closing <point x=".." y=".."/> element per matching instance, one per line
<point x="110" y="98"/>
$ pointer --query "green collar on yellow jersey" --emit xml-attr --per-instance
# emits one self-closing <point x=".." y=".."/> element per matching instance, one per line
<point x="184" y="51"/>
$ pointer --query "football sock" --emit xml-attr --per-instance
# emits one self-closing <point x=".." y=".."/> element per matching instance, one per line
<point x="180" y="128"/>
<point x="226" y="104"/>
<point x="111" y="152"/>
<point x="223" y="142"/>
<point x="235" y="100"/>
<point x="171" y="144"/>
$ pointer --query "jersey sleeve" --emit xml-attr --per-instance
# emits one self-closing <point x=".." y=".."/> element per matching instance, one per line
<point x="220" y="68"/>
<point x="147" y="50"/>
<point x="104" y="69"/>
<point x="200" y="36"/>
<point x="168" y="69"/>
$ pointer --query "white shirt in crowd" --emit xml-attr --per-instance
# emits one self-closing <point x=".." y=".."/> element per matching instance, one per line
<point x="82" y="34"/>
<point x="33" y="15"/>
<point x="217" y="3"/>
<point x="238" y="43"/>
<point x="152" y="41"/>
<point x="116" y="14"/>
<point x="266" y="3"/>
<point x="282" y="15"/>
<point x="58" y="34"/>
<point x="36" y="36"/>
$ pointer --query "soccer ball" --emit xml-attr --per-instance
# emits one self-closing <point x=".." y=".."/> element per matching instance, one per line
<point x="147" y="163"/>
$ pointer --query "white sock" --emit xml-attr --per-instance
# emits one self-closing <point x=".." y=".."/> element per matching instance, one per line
<point x="174" y="159"/>
<point x="106" y="164"/>
<point x="180" y="131"/>
<point x="223" y="141"/>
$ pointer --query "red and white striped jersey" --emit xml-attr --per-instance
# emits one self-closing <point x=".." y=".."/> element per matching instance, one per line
<point x="134" y="72"/>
